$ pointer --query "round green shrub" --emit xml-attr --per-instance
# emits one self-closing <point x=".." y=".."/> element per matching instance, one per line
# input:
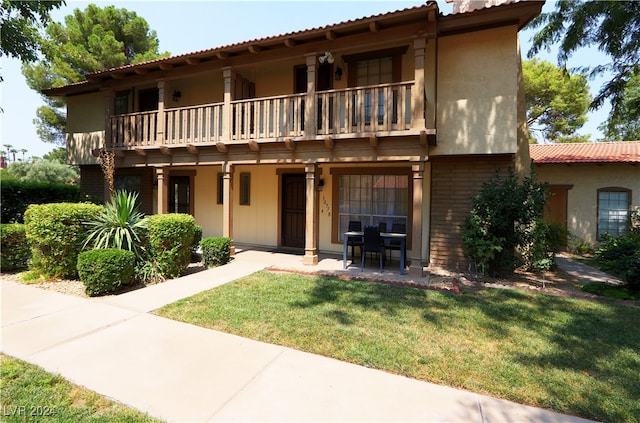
<point x="14" y="250"/>
<point x="170" y="240"/>
<point x="105" y="271"/>
<point x="56" y="234"/>
<point x="216" y="251"/>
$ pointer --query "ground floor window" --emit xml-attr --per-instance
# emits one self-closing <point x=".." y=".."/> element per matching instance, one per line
<point x="613" y="211"/>
<point x="373" y="200"/>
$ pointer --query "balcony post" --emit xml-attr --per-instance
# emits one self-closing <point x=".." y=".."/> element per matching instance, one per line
<point x="416" y="225"/>
<point x="310" y="115"/>
<point x="227" y="118"/>
<point x="227" y="203"/>
<point x="163" y="98"/>
<point x="418" y="92"/>
<point x="109" y="104"/>
<point x="311" y="215"/>
<point x="162" y="175"/>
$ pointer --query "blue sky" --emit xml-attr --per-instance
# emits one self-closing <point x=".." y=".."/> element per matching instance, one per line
<point x="186" y="26"/>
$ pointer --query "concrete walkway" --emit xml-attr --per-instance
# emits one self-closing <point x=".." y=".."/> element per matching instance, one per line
<point x="583" y="272"/>
<point x="184" y="373"/>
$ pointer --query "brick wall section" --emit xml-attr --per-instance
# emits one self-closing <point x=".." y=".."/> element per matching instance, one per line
<point x="454" y="183"/>
<point x="91" y="183"/>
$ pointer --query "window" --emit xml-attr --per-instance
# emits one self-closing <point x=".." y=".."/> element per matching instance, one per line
<point x="220" y="188"/>
<point x="613" y="211"/>
<point x="245" y="189"/>
<point x="373" y="200"/>
<point x="121" y="104"/>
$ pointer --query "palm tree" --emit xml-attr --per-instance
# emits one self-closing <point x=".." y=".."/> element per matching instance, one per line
<point x="23" y="150"/>
<point x="13" y="152"/>
<point x="8" y="147"/>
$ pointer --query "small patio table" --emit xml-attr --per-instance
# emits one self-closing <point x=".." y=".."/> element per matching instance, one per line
<point x="384" y="235"/>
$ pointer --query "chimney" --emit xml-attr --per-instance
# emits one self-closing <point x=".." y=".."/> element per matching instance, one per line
<point x="463" y="6"/>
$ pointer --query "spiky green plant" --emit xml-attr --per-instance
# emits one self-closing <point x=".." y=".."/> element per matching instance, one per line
<point x="121" y="225"/>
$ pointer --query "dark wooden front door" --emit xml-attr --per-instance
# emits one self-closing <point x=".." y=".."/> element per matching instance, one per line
<point x="180" y="194"/>
<point x="293" y="210"/>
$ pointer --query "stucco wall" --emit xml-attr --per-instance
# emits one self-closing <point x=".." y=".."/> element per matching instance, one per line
<point x="85" y="127"/>
<point x="477" y="92"/>
<point x="582" y="200"/>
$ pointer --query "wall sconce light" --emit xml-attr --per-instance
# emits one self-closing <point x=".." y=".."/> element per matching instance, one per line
<point x="176" y="95"/>
<point x="338" y="73"/>
<point x="320" y="184"/>
<point x="327" y="57"/>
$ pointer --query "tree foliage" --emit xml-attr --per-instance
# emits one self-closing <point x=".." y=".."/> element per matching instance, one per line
<point x="21" y="21"/>
<point x="88" y="41"/>
<point x="625" y="124"/>
<point x="611" y="26"/>
<point x="557" y="102"/>
<point x="41" y="171"/>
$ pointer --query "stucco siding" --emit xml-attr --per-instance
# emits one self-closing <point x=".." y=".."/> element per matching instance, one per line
<point x="582" y="200"/>
<point x="477" y="92"/>
<point x="85" y="127"/>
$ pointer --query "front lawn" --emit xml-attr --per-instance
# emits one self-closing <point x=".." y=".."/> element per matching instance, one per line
<point x="573" y="356"/>
<point x="29" y="393"/>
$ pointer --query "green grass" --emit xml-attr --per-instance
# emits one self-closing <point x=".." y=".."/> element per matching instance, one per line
<point x="611" y="291"/>
<point x="29" y="393"/>
<point x="573" y="356"/>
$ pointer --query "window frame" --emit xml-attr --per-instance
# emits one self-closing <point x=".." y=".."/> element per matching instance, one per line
<point x="376" y="171"/>
<point x="612" y="190"/>
<point x="244" y="198"/>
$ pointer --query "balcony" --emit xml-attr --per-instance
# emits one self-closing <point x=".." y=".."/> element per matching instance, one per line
<point x="382" y="110"/>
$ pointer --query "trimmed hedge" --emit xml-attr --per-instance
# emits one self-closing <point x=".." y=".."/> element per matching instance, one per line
<point x="56" y="233"/>
<point x="216" y="251"/>
<point x="17" y="196"/>
<point x="170" y="240"/>
<point x="14" y="250"/>
<point x="104" y="271"/>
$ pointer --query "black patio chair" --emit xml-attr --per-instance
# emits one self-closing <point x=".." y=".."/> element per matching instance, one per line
<point x="372" y="243"/>
<point x="394" y="244"/>
<point x="355" y="241"/>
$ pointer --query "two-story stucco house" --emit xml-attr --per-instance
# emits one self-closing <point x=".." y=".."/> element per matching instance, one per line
<point x="281" y="141"/>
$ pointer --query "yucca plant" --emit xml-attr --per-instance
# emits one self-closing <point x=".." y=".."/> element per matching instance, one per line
<point x="121" y="225"/>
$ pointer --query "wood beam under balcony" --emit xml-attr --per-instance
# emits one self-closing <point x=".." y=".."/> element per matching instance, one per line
<point x="290" y="144"/>
<point x="373" y="140"/>
<point x="222" y="147"/>
<point x="253" y="145"/>
<point x="328" y="142"/>
<point x="166" y="150"/>
<point x="192" y="149"/>
<point x="140" y="151"/>
<point x="119" y="153"/>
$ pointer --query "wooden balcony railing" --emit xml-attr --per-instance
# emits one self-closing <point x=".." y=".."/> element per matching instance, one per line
<point x="346" y="112"/>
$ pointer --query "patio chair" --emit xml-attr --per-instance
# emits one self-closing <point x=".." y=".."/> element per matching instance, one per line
<point x="355" y="241"/>
<point x="394" y="244"/>
<point x="372" y="243"/>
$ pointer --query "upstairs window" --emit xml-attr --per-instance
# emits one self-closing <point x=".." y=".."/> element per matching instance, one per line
<point x="613" y="211"/>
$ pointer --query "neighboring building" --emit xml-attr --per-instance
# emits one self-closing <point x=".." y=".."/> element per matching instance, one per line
<point x="592" y="185"/>
<point x="281" y="141"/>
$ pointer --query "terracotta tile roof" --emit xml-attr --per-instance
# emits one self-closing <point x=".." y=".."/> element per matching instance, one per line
<point x="592" y="152"/>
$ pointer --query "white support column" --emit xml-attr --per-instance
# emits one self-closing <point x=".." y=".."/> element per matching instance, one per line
<point x="227" y="203"/>
<point x="416" y="225"/>
<point x="311" y="215"/>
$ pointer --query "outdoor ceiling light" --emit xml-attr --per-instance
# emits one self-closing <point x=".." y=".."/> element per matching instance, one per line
<point x="327" y="57"/>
